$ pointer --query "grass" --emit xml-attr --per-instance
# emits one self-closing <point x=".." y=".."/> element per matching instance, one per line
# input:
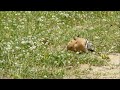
<point x="32" y="44"/>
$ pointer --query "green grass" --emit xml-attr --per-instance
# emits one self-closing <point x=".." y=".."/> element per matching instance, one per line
<point x="33" y="44"/>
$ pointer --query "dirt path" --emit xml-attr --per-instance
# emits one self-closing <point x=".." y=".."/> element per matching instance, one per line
<point x="110" y="71"/>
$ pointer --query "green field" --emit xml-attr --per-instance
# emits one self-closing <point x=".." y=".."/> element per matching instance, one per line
<point x="33" y="43"/>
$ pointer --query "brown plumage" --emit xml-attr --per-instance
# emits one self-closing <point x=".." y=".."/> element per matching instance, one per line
<point x="79" y="45"/>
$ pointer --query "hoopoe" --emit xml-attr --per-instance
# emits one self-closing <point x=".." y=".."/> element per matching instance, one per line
<point x="80" y="45"/>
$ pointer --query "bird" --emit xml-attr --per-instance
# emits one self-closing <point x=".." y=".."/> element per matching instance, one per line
<point x="78" y="44"/>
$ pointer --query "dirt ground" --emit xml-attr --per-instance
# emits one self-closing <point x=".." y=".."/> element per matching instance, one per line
<point x="110" y="71"/>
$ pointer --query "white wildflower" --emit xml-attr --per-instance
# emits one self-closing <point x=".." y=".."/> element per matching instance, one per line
<point x="104" y="20"/>
<point x="96" y="37"/>
<point x="78" y="62"/>
<point x="23" y="50"/>
<point x="16" y="57"/>
<point x="20" y="55"/>
<point x="77" y="52"/>
<point x="69" y="62"/>
<point x="91" y="28"/>
<point x="68" y="54"/>
<point x="33" y="47"/>
<point x="45" y="76"/>
<point x="17" y="47"/>
<point x="23" y="42"/>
